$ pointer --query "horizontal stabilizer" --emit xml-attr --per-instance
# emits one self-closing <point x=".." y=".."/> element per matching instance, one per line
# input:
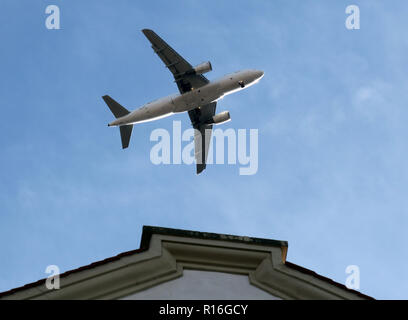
<point x="117" y="110"/>
<point x="125" y="133"/>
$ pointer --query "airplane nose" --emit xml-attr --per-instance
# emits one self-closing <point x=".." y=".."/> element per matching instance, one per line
<point x="259" y="74"/>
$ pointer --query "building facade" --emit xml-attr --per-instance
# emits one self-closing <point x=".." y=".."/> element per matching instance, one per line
<point x="180" y="264"/>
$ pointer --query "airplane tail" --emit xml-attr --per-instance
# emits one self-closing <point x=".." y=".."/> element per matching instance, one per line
<point x="120" y="111"/>
<point x="117" y="110"/>
<point x="125" y="133"/>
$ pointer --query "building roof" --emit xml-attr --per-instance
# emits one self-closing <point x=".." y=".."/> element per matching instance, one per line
<point x="149" y="231"/>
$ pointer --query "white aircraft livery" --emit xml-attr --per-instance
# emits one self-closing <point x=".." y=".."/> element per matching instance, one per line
<point x="198" y="96"/>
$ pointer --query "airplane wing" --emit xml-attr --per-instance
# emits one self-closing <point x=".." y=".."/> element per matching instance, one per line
<point x="177" y="65"/>
<point x="199" y="117"/>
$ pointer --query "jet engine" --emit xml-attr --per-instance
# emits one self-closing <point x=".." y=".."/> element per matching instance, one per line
<point x="220" y="118"/>
<point x="202" y="68"/>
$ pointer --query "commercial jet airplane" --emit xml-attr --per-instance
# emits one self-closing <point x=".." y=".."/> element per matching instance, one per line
<point x="198" y="96"/>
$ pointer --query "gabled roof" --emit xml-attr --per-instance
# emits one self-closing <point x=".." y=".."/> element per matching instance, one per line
<point x="148" y="231"/>
<point x="180" y="244"/>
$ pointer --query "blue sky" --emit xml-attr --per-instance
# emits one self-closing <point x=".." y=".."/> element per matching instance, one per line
<point x="331" y="114"/>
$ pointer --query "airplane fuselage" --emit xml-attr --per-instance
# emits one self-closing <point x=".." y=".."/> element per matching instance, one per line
<point x="197" y="97"/>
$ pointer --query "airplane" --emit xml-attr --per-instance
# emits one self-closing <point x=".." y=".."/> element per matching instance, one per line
<point x="198" y="96"/>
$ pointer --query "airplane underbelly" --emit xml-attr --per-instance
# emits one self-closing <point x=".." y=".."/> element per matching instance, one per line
<point x="195" y="98"/>
<point x="153" y="111"/>
<point x="182" y="104"/>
